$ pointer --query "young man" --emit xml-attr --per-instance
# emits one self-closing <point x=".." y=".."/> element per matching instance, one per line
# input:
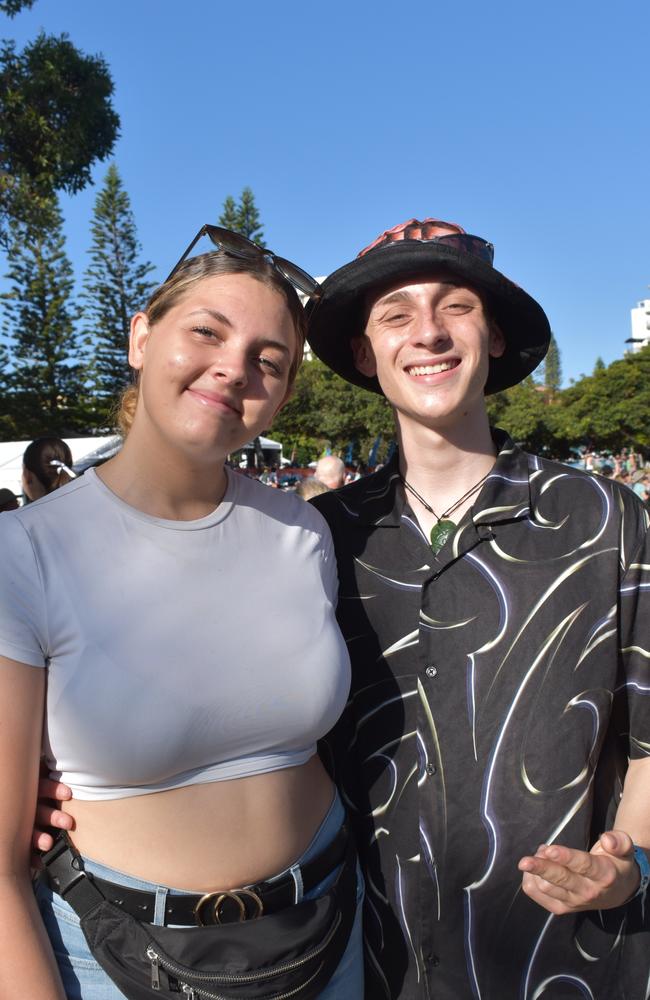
<point x="496" y="608"/>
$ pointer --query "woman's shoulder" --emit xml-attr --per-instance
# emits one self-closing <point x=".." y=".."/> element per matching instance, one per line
<point x="279" y="504"/>
<point x="61" y="507"/>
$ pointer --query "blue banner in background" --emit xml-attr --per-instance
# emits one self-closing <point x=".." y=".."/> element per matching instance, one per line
<point x="372" y="457"/>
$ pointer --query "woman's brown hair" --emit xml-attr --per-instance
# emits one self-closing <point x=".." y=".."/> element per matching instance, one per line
<point x="209" y="265"/>
<point x="49" y="458"/>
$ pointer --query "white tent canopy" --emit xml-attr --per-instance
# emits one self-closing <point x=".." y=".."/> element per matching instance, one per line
<point x="266" y="443"/>
<point x="84" y="452"/>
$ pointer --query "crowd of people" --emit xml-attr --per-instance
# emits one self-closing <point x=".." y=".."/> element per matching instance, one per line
<point x="424" y="770"/>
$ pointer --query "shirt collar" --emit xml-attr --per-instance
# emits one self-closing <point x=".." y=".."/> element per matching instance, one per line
<point x="505" y="495"/>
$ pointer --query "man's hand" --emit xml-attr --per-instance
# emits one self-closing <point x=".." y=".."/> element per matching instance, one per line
<point x="47" y="815"/>
<point x="564" y="880"/>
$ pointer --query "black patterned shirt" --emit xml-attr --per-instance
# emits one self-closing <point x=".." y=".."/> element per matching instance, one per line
<point x="498" y="689"/>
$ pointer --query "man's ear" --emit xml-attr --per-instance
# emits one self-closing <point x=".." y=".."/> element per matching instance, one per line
<point x="364" y="356"/>
<point x="138" y="340"/>
<point x="496" y="341"/>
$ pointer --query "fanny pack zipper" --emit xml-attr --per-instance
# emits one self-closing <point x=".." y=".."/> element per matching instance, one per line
<point x="158" y="960"/>
<point x="192" y="994"/>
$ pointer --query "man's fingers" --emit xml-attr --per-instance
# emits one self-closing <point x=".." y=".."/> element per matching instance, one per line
<point x="49" y="789"/>
<point x="41" y="841"/>
<point x="535" y="886"/>
<point x="616" y="842"/>
<point x="578" y="862"/>
<point x="48" y="816"/>
<point x="581" y="878"/>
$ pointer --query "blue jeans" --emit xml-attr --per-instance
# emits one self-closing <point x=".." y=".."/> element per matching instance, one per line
<point x="84" y="979"/>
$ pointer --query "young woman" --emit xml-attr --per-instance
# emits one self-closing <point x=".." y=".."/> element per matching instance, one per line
<point x="158" y="593"/>
<point x="47" y="465"/>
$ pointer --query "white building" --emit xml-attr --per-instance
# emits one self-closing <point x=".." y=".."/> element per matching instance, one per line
<point x="640" y="326"/>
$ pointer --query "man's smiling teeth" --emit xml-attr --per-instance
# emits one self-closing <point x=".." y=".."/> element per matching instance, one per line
<point x="444" y="366"/>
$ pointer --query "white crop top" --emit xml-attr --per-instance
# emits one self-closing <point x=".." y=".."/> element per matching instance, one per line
<point x="177" y="652"/>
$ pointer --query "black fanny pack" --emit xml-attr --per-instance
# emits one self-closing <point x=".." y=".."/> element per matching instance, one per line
<point x="290" y="953"/>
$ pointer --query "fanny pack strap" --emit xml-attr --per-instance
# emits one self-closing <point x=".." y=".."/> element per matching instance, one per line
<point x="65" y="871"/>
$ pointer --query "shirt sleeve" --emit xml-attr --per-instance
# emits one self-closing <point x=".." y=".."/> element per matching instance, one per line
<point x="330" y="572"/>
<point x="22" y="604"/>
<point x="635" y="646"/>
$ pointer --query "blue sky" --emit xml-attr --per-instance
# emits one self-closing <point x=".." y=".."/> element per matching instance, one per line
<point x="525" y="123"/>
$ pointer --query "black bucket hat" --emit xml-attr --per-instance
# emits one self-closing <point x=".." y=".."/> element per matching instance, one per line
<point x="336" y="312"/>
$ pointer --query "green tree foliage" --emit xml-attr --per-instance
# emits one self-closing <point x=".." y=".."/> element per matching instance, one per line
<point x="553" y="367"/>
<point x="229" y="217"/>
<point x="529" y="414"/>
<point x="599" y="365"/>
<point x="327" y="411"/>
<point x="243" y="217"/>
<point x="13" y="7"/>
<point x="611" y="408"/>
<point x="56" y="120"/>
<point x="46" y="381"/>
<point x="115" y="286"/>
<point x="8" y="427"/>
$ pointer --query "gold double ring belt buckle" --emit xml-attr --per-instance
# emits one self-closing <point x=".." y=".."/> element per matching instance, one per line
<point x="214" y="902"/>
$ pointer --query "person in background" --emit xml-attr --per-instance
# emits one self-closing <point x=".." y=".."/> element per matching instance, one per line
<point x="8" y="500"/>
<point x="47" y="465"/>
<point x="310" y="487"/>
<point x="330" y="470"/>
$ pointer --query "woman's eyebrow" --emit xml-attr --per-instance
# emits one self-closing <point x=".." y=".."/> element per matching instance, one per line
<point x="268" y="342"/>
<point x="222" y="318"/>
<point x="219" y="316"/>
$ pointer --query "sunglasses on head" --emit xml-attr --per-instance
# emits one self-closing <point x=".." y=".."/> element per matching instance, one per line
<point x="474" y="245"/>
<point x="237" y="245"/>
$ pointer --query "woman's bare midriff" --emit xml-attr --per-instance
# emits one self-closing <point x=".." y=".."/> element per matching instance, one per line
<point x="219" y="835"/>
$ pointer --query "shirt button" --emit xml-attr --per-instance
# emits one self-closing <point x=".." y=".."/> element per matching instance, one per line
<point x="430" y="768"/>
<point x="431" y="671"/>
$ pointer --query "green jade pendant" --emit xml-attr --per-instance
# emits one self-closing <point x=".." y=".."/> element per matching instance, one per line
<point x="440" y="533"/>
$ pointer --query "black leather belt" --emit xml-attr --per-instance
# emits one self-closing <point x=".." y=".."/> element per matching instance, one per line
<point x="64" y="872"/>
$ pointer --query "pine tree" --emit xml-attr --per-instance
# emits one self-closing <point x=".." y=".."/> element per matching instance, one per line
<point x="229" y="217"/>
<point x="553" y="367"/>
<point x="243" y="217"/>
<point x="599" y="365"/>
<point x="249" y="218"/>
<point x="115" y="286"/>
<point x="47" y="378"/>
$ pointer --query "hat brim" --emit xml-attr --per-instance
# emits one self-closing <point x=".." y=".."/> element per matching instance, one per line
<point x="338" y="314"/>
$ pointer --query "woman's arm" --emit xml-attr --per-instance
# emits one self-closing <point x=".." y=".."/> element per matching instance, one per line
<point x="27" y="965"/>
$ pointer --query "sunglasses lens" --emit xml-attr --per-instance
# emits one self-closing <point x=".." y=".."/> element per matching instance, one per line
<point x="240" y="246"/>
<point x="233" y="243"/>
<point x="303" y="281"/>
<point x="469" y="244"/>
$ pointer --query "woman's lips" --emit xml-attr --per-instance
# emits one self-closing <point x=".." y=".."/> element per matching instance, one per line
<point x="215" y="401"/>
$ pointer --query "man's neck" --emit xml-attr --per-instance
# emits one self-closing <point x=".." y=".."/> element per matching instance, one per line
<point x="444" y="464"/>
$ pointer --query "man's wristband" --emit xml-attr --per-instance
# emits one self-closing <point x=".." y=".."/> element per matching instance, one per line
<point x="641" y="859"/>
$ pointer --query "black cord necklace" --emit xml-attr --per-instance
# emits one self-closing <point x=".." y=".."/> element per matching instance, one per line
<point x="444" y="527"/>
